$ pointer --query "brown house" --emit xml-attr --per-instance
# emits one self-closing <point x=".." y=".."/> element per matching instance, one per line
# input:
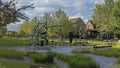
<point x="80" y="26"/>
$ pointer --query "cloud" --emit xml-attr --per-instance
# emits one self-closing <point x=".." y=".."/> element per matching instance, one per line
<point x="13" y="27"/>
<point x="73" y="8"/>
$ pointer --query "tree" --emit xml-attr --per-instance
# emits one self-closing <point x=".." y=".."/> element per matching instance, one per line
<point x="10" y="14"/>
<point x="60" y="18"/>
<point x="3" y="30"/>
<point x="28" y="26"/>
<point x="116" y="16"/>
<point x="103" y="17"/>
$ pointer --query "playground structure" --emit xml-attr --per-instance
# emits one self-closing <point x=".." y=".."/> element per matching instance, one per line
<point x="33" y="38"/>
<point x="38" y="34"/>
<point x="39" y="38"/>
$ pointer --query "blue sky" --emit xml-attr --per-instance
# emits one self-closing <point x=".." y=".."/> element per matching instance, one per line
<point x="74" y="8"/>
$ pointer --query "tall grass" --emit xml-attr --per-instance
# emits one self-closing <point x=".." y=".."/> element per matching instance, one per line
<point x="77" y="61"/>
<point x="114" y="52"/>
<point x="41" y="58"/>
<point x="11" y="54"/>
<point x="13" y="41"/>
<point x="103" y="43"/>
<point x="1" y="65"/>
<point x="7" y="64"/>
<point x="14" y="64"/>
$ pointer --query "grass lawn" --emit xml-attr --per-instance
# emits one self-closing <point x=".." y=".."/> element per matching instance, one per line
<point x="10" y="41"/>
<point x="77" y="61"/>
<point x="113" y="52"/>
<point x="11" y="54"/>
<point x="7" y="64"/>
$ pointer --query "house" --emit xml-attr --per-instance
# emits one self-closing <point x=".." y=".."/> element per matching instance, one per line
<point x="91" y="29"/>
<point x="80" y="26"/>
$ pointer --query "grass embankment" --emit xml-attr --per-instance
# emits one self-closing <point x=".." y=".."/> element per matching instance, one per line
<point x="11" y="41"/>
<point x="11" y="54"/>
<point x="41" y="58"/>
<point x="102" y="43"/>
<point x="77" y="61"/>
<point x="109" y="53"/>
<point x="6" y="64"/>
<point x="113" y="52"/>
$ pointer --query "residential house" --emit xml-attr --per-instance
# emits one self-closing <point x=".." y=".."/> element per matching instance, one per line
<point x="80" y="26"/>
<point x="91" y="29"/>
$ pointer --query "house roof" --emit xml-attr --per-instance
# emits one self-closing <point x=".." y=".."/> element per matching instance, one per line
<point x="90" y="21"/>
<point x="74" y="20"/>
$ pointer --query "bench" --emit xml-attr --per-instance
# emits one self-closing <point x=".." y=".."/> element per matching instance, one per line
<point x="100" y="47"/>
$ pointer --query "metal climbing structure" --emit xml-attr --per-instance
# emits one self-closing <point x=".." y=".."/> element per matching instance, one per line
<point x="33" y="37"/>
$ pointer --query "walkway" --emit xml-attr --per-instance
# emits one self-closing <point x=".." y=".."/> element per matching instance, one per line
<point x="104" y="62"/>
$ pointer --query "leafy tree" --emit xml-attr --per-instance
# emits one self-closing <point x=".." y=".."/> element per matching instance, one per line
<point x="10" y="14"/>
<point x="3" y="30"/>
<point x="103" y="15"/>
<point x="116" y="16"/>
<point x="50" y="24"/>
<point x="27" y="27"/>
<point x="61" y="19"/>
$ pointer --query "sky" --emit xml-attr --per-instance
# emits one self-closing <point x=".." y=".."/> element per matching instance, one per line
<point x="74" y="9"/>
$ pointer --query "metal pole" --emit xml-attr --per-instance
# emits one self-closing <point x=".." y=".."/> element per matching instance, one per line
<point x="46" y="27"/>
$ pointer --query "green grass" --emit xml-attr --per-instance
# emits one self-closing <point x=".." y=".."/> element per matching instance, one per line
<point x="11" y="54"/>
<point x="77" y="61"/>
<point x="14" y="64"/>
<point x="7" y="64"/>
<point x="41" y="58"/>
<point x="103" y="43"/>
<point x="13" y="41"/>
<point x="114" y="52"/>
